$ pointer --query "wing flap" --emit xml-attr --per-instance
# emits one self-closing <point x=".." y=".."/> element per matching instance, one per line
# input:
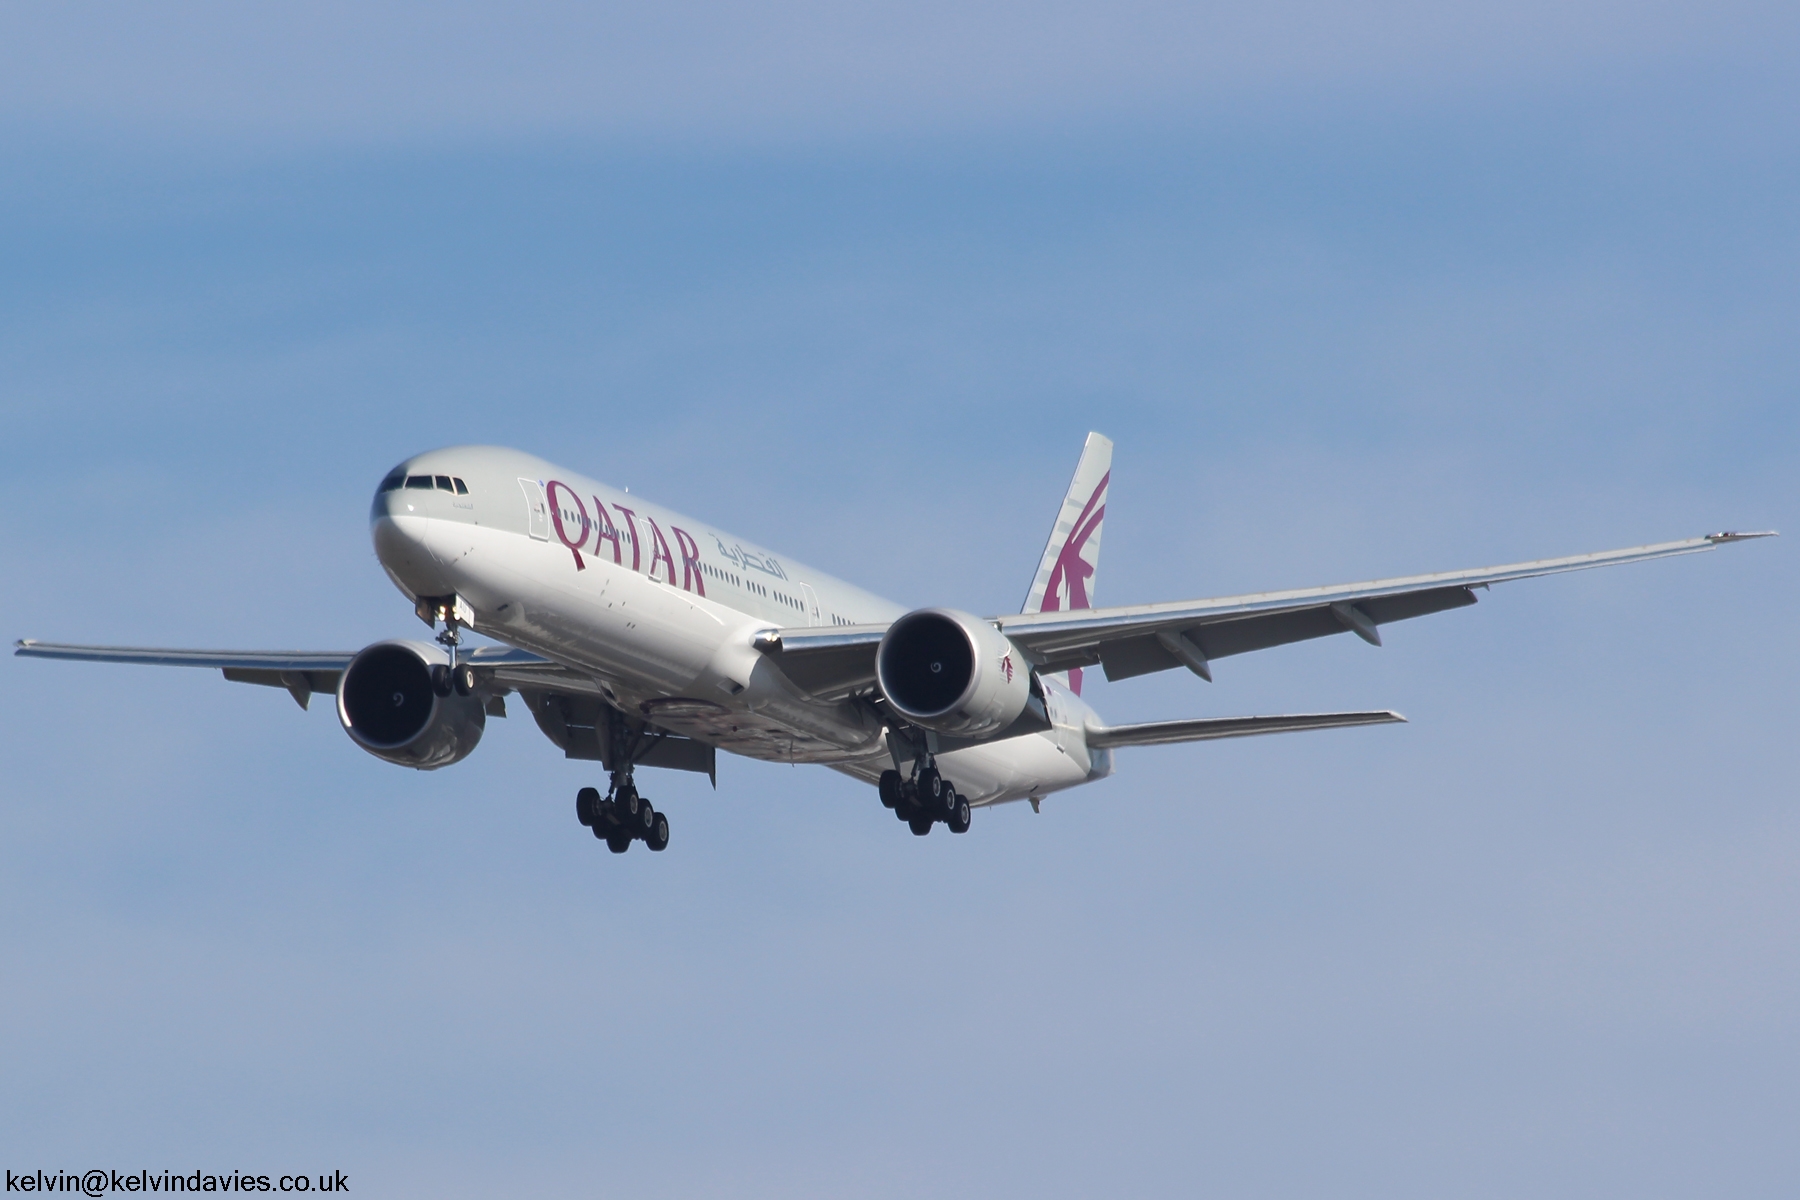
<point x="829" y="663"/>
<point x="578" y="725"/>
<point x="314" y="681"/>
<point x="831" y="672"/>
<point x="302" y="685"/>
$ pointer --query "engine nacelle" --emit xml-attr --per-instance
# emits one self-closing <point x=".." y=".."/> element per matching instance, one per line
<point x="953" y="673"/>
<point x="389" y="706"/>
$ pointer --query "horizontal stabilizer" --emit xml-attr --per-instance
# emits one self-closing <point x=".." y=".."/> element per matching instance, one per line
<point x="1205" y="729"/>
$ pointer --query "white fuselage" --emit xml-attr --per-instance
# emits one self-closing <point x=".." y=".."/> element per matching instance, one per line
<point x="661" y="612"/>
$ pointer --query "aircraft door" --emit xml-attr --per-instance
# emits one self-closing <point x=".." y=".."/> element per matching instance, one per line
<point x="537" y="510"/>
<point x="810" y="598"/>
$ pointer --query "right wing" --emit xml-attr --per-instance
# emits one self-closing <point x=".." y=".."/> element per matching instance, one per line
<point x="567" y="704"/>
<point x="304" y="672"/>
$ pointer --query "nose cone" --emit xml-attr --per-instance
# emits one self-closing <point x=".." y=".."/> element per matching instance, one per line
<point x="400" y="521"/>
<point x="425" y="508"/>
<point x="402" y="543"/>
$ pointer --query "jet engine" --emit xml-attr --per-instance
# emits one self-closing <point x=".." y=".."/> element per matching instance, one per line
<point x="396" y="700"/>
<point x="952" y="673"/>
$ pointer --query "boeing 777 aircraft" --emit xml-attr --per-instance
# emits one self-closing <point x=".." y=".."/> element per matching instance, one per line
<point x="638" y="637"/>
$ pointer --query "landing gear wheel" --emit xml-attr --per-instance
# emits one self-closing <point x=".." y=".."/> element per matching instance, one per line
<point x="587" y="806"/>
<point x="646" y="821"/>
<point x="628" y="805"/>
<point x="440" y="679"/>
<point x="931" y="788"/>
<point x="658" y="837"/>
<point x="463" y="680"/>
<point x="921" y="825"/>
<point x="946" y="803"/>
<point x="618" y="843"/>
<point x="890" y="789"/>
<point x="959" y="816"/>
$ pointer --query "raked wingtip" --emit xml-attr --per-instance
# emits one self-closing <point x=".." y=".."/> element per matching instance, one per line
<point x="1720" y="539"/>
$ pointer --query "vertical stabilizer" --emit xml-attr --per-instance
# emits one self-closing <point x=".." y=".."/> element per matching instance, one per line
<point x="1065" y="576"/>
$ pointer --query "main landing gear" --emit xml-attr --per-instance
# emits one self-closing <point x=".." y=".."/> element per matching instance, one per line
<point x="924" y="800"/>
<point x="623" y="816"/>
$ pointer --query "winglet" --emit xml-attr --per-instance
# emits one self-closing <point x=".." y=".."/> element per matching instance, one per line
<point x="1720" y="539"/>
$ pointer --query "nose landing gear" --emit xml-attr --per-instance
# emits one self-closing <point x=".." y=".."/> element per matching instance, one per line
<point x="456" y="613"/>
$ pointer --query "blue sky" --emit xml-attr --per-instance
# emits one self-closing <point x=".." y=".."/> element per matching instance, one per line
<point x="1356" y="291"/>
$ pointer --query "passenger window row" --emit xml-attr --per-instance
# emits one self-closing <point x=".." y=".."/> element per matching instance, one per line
<point x="725" y="576"/>
<point x="443" y="483"/>
<point x="722" y="575"/>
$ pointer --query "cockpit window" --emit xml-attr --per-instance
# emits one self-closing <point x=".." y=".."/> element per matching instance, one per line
<point x="418" y="481"/>
<point x="462" y="489"/>
<point x="394" y="480"/>
<point x="444" y="484"/>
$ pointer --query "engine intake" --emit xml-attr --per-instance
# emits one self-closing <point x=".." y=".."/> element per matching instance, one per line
<point x="388" y="704"/>
<point x="953" y="673"/>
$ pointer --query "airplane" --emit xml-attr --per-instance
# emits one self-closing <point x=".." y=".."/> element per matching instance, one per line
<point x="639" y="637"/>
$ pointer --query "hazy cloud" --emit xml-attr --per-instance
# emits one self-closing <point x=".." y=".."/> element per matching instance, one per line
<point x="803" y="70"/>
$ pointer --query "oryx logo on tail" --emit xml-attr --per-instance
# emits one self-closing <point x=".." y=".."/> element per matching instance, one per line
<point x="1064" y="579"/>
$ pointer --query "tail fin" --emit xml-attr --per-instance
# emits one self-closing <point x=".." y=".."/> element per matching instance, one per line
<point x="1065" y="576"/>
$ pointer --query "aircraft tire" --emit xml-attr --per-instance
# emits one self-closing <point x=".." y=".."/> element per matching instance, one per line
<point x="959" y="816"/>
<point x="890" y="789"/>
<point x="587" y="805"/>
<point x="618" y="843"/>
<point x="921" y="826"/>
<point x="646" y="821"/>
<point x="931" y="788"/>
<point x="628" y="805"/>
<point x="658" y="837"/>
<point x="463" y="679"/>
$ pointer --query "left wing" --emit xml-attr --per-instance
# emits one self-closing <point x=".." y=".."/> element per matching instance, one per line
<point x="1138" y="639"/>
<point x="1154" y="637"/>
